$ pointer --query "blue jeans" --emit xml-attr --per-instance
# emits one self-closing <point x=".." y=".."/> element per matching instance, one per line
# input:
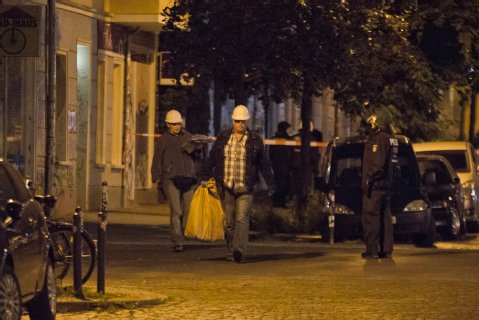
<point x="237" y="209"/>
<point x="179" y="202"/>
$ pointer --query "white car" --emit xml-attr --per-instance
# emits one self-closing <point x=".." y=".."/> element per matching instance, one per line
<point x="463" y="158"/>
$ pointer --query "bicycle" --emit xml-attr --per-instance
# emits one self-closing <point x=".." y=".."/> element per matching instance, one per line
<point x="62" y="238"/>
<point x="61" y="234"/>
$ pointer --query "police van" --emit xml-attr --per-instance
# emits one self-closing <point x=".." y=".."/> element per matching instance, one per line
<point x="340" y="199"/>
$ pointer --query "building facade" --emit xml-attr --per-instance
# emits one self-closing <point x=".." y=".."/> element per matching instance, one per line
<point x="106" y="69"/>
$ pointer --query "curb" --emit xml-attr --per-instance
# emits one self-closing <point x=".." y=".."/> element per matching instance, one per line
<point x="86" y="305"/>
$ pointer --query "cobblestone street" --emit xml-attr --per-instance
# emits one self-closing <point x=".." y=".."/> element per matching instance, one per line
<point x="289" y="280"/>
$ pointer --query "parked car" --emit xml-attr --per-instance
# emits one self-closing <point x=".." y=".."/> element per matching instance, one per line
<point x="341" y="194"/>
<point x="446" y="195"/>
<point x="26" y="275"/>
<point x="464" y="160"/>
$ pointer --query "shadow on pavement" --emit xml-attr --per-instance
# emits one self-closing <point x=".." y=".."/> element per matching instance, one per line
<point x="273" y="257"/>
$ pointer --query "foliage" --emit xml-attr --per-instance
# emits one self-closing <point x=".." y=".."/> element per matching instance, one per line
<point x="398" y="53"/>
<point x="401" y="53"/>
<point x="191" y="101"/>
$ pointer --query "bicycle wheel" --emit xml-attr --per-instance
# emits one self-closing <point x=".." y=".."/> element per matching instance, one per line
<point x="62" y="236"/>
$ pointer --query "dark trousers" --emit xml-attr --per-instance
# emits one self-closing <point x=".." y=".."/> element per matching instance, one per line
<point x="377" y="222"/>
<point x="281" y="185"/>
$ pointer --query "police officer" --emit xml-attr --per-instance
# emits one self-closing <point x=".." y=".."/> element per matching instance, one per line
<point x="379" y="160"/>
<point x="280" y="158"/>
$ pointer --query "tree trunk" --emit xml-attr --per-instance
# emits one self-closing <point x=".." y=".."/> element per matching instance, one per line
<point x="217" y="106"/>
<point x="472" y="122"/>
<point x="266" y="106"/>
<point x="306" y="169"/>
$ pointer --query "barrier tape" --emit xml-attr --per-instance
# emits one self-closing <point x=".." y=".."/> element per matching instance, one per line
<point x="271" y="142"/>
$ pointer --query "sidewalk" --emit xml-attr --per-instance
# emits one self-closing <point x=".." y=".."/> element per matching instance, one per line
<point x="118" y="298"/>
<point x="138" y="215"/>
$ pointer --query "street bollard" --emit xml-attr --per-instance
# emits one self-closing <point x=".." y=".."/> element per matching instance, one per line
<point x="101" y="236"/>
<point x="331" y="225"/>
<point x="77" y="252"/>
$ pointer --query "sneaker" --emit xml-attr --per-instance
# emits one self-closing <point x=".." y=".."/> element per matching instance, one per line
<point x="385" y="255"/>
<point x="369" y="255"/>
<point x="178" y="248"/>
<point x="238" y="256"/>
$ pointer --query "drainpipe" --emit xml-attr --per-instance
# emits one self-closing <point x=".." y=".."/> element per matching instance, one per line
<point x="125" y="114"/>
<point x="50" y="97"/>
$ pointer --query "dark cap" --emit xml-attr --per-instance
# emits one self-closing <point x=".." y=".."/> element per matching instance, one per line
<point x="283" y="126"/>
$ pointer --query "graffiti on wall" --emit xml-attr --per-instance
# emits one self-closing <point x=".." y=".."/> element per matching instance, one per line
<point x="141" y="157"/>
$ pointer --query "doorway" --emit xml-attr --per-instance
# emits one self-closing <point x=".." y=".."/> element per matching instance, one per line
<point x="83" y="123"/>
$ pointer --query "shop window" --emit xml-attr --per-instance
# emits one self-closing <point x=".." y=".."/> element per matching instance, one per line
<point x="100" y="121"/>
<point x="117" y="115"/>
<point x="61" y="115"/>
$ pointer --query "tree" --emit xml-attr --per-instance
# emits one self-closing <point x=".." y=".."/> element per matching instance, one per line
<point x="447" y="33"/>
<point x="226" y="42"/>
<point x="371" y="53"/>
<point x="248" y="47"/>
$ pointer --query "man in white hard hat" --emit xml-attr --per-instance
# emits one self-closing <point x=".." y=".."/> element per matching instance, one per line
<point x="173" y="167"/>
<point x="234" y="161"/>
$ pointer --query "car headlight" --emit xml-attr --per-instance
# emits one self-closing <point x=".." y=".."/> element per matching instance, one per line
<point x="340" y="209"/>
<point x="440" y="204"/>
<point x="416" y="205"/>
<point x="469" y="189"/>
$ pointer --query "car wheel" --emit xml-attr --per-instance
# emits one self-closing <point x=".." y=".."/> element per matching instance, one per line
<point x="463" y="225"/>
<point x="453" y="229"/>
<point x="44" y="305"/>
<point x="426" y="239"/>
<point x="10" y="297"/>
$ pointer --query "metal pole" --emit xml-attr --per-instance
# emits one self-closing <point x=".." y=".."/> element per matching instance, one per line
<point x="50" y="98"/>
<point x="102" y="222"/>
<point x="77" y="252"/>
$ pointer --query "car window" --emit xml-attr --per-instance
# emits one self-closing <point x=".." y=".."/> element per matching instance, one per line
<point x="457" y="158"/>
<point x="474" y="155"/>
<point x="438" y="167"/>
<point x="406" y="175"/>
<point x="347" y="170"/>
<point x="20" y="192"/>
<point x="6" y="187"/>
<point x="347" y="167"/>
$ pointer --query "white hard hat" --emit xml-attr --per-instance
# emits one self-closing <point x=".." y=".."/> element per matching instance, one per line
<point x="240" y="112"/>
<point x="173" y="116"/>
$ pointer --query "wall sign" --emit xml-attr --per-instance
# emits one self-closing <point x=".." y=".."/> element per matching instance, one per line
<point x="20" y="30"/>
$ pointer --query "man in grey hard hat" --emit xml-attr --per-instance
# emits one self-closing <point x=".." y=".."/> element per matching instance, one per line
<point x="234" y="161"/>
<point x="173" y="167"/>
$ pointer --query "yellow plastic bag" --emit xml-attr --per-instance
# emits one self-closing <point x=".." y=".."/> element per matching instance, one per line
<point x="206" y="217"/>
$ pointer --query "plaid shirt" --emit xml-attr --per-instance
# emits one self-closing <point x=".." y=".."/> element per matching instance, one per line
<point x="235" y="162"/>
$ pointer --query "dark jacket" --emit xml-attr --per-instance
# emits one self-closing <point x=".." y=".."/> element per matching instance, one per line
<point x="173" y="156"/>
<point x="380" y="153"/>
<point x="256" y="160"/>
<point x="280" y="155"/>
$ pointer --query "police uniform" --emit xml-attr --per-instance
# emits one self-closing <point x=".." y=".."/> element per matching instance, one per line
<point x="379" y="160"/>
